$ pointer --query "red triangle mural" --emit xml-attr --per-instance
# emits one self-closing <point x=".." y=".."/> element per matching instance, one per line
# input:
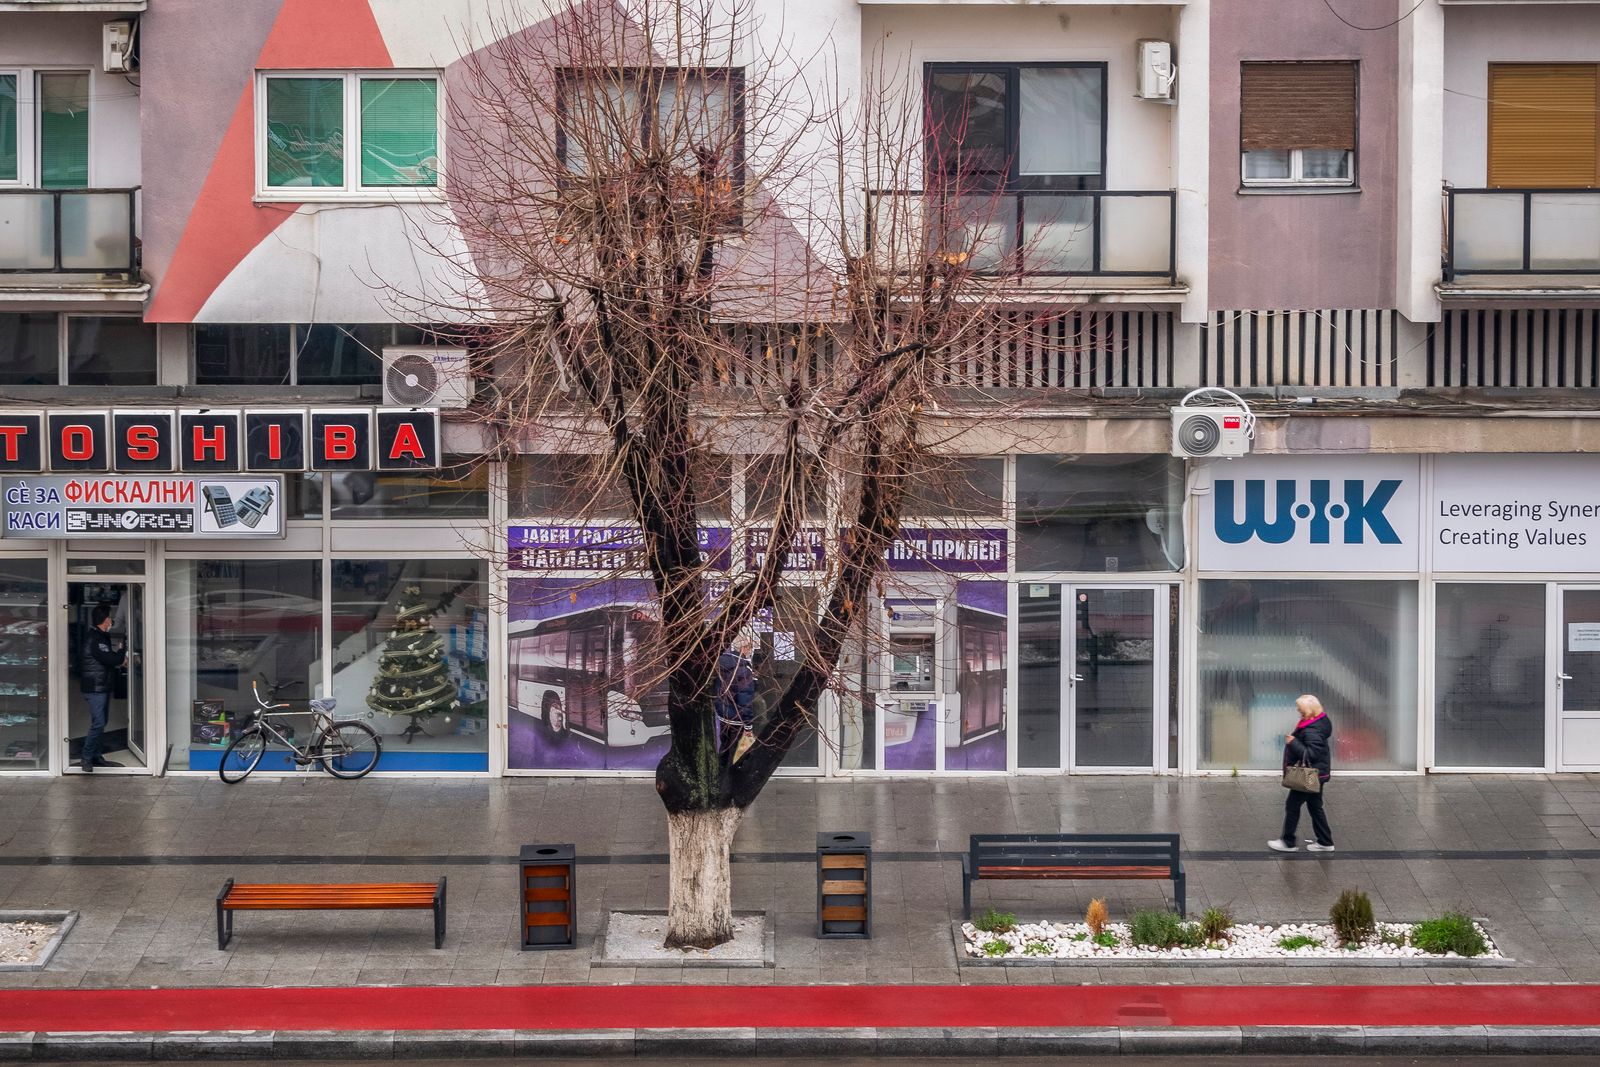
<point x="225" y="222"/>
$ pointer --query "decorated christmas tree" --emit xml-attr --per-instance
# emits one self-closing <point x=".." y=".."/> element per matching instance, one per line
<point x="413" y="670"/>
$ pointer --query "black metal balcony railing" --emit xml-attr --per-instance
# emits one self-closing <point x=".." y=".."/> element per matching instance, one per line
<point x="68" y="231"/>
<point x="1521" y="231"/>
<point x="1107" y="233"/>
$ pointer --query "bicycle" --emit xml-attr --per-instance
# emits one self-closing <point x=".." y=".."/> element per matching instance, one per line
<point x="345" y="748"/>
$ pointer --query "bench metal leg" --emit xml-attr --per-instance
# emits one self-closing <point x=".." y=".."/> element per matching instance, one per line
<point x="966" y="894"/>
<point x="224" y="917"/>
<point x="438" y="915"/>
<point x="1178" y="892"/>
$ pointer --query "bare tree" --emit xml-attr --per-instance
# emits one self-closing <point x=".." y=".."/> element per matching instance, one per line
<point x="683" y="245"/>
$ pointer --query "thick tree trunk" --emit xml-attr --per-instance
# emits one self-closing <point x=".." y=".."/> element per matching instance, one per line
<point x="700" y="892"/>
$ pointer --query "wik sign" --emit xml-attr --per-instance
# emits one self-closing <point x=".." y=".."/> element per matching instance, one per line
<point x="1311" y="513"/>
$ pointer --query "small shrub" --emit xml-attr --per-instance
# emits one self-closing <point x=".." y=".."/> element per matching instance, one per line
<point x="1191" y="935"/>
<point x="1096" y="918"/>
<point x="1450" y="932"/>
<point x="1394" y="938"/>
<point x="1157" y="929"/>
<point x="1080" y="937"/>
<point x="1351" y="916"/>
<point x="996" y="947"/>
<point x="995" y="922"/>
<point x="1215" y="924"/>
<point x="1106" y="939"/>
<point x="1037" y="948"/>
<point x="1298" y="941"/>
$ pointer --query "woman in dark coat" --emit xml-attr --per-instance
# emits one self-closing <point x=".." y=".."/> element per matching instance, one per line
<point x="1312" y="743"/>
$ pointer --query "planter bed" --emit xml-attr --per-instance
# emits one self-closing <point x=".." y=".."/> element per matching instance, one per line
<point x="1249" y="943"/>
<point x="28" y="939"/>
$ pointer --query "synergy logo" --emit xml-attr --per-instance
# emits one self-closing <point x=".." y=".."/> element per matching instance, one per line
<point x="1361" y="510"/>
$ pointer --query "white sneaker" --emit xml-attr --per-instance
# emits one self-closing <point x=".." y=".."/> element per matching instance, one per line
<point x="1312" y="846"/>
<point x="1279" y="846"/>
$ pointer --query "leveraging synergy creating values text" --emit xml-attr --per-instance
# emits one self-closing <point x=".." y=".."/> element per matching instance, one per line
<point x="1512" y="511"/>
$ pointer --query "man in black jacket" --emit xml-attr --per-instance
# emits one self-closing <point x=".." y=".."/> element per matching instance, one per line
<point x="97" y="678"/>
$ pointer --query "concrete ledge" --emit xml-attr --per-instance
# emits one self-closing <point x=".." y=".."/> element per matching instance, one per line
<point x="1181" y="1040"/>
<point x="1301" y="1040"/>
<point x="818" y="1043"/>
<point x="1425" y="1040"/>
<point x="67" y="919"/>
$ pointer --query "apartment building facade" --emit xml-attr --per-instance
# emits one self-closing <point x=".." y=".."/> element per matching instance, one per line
<point x="1372" y="221"/>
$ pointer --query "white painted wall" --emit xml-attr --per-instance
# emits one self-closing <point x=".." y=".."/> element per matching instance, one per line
<point x="1474" y="37"/>
<point x="1419" y="160"/>
<point x="45" y="41"/>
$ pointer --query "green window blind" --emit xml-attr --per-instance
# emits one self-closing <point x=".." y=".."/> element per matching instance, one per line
<point x="8" y="127"/>
<point x="399" y="131"/>
<point x="305" y="132"/>
<point x="64" y="130"/>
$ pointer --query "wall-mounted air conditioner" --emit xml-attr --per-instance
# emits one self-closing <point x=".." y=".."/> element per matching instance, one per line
<point x="426" y="376"/>
<point x="1156" y="72"/>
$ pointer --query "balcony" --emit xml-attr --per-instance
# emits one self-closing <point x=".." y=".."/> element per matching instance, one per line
<point x="1505" y="244"/>
<point x="1097" y="241"/>
<point x="68" y="239"/>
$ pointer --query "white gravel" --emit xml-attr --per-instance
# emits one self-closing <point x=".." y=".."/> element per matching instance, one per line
<point x="635" y="936"/>
<point x="1246" y="941"/>
<point x="24" y="942"/>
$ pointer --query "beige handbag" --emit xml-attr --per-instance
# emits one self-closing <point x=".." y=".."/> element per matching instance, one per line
<point x="1302" y="778"/>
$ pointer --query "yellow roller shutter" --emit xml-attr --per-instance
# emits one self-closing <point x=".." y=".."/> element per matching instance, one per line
<point x="1543" y="119"/>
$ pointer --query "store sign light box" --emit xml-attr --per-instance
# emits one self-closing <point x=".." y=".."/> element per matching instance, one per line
<point x="218" y="441"/>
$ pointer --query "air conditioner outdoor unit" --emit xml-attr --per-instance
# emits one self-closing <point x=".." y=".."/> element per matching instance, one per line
<point x="1156" y="72"/>
<point x="426" y="376"/>
<point x="117" y="54"/>
<point x="1210" y="432"/>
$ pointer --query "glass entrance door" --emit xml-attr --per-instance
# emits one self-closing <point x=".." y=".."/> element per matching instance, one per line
<point x="1113" y="663"/>
<point x="122" y="741"/>
<point x="1578" y="682"/>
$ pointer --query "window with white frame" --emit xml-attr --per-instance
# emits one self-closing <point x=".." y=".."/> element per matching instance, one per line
<point x="44" y="128"/>
<point x="1297" y="124"/>
<point x="359" y="135"/>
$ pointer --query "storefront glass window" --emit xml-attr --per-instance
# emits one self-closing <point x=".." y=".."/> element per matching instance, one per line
<point x="584" y="487"/>
<point x="1489" y="672"/>
<point x="458" y="490"/>
<point x="411" y="655"/>
<point x="230" y="621"/>
<point x="959" y="486"/>
<point x="1106" y="514"/>
<point x="24" y="665"/>
<point x="1039" y="675"/>
<point x="1353" y="644"/>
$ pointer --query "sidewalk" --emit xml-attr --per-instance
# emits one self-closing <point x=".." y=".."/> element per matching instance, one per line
<point x="142" y="860"/>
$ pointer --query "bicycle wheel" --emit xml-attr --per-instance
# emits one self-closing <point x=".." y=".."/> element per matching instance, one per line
<point x="349" y="749"/>
<point x="241" y="756"/>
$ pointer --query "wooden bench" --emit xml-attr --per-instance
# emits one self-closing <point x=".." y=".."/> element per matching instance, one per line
<point x="1072" y="856"/>
<point x="371" y="896"/>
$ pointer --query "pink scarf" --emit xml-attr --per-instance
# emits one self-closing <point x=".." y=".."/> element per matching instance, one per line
<point x="1303" y="723"/>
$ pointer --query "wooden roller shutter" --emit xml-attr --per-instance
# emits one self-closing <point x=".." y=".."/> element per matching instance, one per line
<point x="1542" y="125"/>
<point x="1297" y="105"/>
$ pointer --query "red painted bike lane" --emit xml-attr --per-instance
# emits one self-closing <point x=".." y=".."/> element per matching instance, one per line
<point x="637" y="1007"/>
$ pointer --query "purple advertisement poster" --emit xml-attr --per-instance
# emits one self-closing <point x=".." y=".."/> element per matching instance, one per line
<point x="808" y="554"/>
<point x="586" y="547"/>
<point x="953" y="550"/>
<point x="575" y="648"/>
<point x="975" y="736"/>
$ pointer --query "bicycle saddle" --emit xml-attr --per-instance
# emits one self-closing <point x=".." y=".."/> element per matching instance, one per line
<point x="324" y="705"/>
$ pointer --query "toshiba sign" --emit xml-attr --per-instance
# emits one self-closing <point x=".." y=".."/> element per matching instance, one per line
<point x="218" y="441"/>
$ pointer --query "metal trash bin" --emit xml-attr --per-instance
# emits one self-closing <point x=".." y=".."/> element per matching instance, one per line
<point x="548" y="884"/>
<point x="844" y="885"/>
